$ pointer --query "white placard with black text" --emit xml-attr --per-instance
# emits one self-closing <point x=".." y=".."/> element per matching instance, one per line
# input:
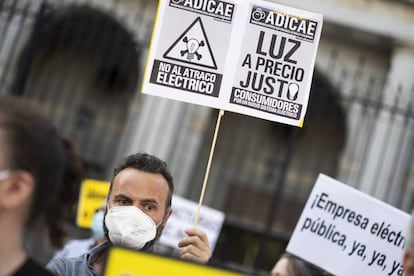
<point x="348" y="233"/>
<point x="252" y="57"/>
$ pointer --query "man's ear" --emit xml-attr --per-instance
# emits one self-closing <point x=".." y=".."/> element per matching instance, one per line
<point x="16" y="191"/>
<point x="167" y="215"/>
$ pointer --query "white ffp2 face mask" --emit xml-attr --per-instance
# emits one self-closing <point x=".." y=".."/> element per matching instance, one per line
<point x="130" y="227"/>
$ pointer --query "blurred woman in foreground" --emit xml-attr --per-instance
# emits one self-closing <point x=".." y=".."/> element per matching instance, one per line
<point x="40" y="176"/>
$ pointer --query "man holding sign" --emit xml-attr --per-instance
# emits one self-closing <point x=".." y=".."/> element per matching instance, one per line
<point x="138" y="207"/>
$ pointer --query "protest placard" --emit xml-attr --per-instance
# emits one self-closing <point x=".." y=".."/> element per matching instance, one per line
<point x="188" y="50"/>
<point x="92" y="196"/>
<point x="251" y="57"/>
<point x="182" y="217"/>
<point x="273" y="73"/>
<point x="127" y="262"/>
<point x="347" y="232"/>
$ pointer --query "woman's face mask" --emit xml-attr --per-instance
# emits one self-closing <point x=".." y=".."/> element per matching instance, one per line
<point x="129" y="227"/>
<point x="97" y="224"/>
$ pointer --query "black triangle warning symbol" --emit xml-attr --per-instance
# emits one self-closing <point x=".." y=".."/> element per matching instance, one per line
<point x="192" y="47"/>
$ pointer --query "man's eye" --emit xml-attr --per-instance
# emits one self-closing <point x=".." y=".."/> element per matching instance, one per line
<point x="149" y="207"/>
<point x="123" y="202"/>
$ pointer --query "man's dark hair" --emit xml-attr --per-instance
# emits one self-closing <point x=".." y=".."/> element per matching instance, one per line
<point x="147" y="163"/>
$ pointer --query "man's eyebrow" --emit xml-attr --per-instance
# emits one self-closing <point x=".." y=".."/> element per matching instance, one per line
<point x="121" y="196"/>
<point x="149" y="200"/>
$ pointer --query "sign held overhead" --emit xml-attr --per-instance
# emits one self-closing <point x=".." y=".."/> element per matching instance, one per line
<point x="251" y="57"/>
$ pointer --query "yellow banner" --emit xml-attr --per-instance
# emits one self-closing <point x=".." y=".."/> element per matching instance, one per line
<point x="125" y="262"/>
<point x="91" y="197"/>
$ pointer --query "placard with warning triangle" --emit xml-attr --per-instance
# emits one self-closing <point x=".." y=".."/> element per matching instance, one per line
<point x="192" y="47"/>
<point x="251" y="57"/>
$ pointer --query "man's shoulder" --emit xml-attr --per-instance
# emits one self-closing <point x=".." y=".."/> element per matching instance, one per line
<point x="67" y="261"/>
<point x="75" y="248"/>
<point x="77" y="265"/>
<point x="67" y="266"/>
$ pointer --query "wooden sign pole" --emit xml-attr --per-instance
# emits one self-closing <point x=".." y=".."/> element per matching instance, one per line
<point x="213" y="145"/>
